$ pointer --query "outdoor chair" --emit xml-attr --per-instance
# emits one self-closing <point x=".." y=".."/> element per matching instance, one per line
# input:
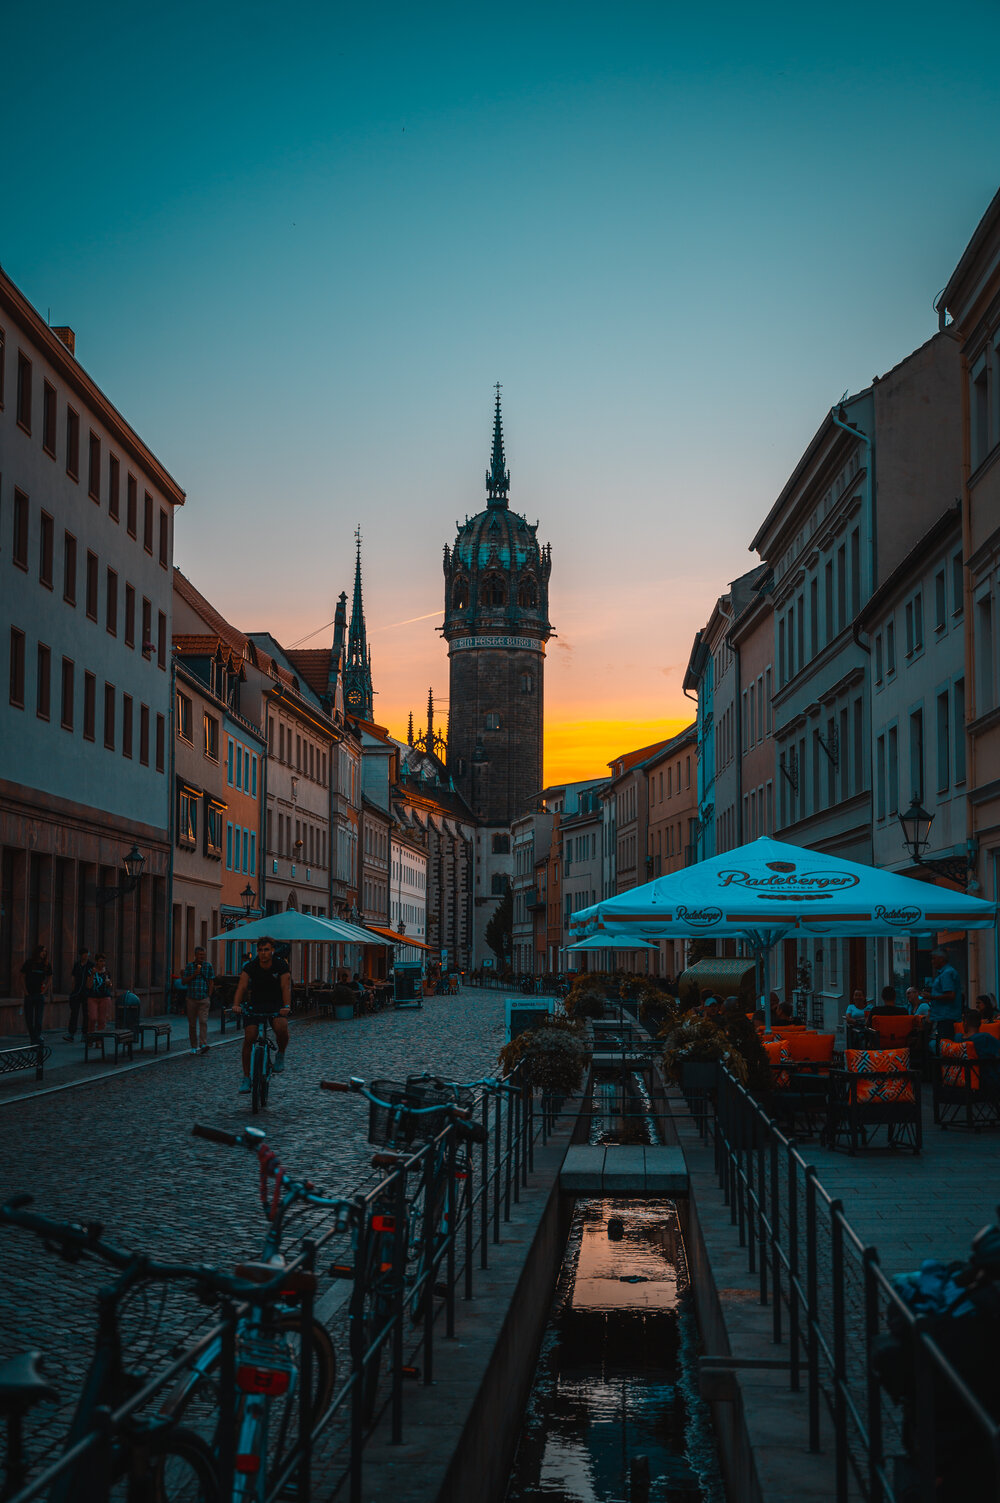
<point x="876" y="1089"/>
<point x="892" y="1032"/>
<point x="800" y="1067"/>
<point x="965" y="1092"/>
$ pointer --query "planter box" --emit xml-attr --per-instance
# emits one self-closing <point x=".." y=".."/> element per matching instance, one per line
<point x="699" y="1075"/>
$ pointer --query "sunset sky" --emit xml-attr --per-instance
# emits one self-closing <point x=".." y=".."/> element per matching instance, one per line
<point x="299" y="245"/>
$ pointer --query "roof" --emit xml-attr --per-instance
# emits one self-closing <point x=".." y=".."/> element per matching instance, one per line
<point x="621" y="765"/>
<point x="946" y="526"/>
<point x="813" y="449"/>
<point x="201" y="645"/>
<point x="980" y="235"/>
<point x="688" y="736"/>
<point x="312" y="665"/>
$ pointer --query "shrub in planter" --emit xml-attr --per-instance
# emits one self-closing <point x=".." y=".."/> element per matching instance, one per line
<point x="552" y="1057"/>
<point x="697" y="1040"/>
<point x="584" y="1004"/>
<point x="657" y="1008"/>
<point x="745" y="1039"/>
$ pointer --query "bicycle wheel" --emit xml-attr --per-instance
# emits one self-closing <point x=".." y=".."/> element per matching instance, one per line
<point x="181" y="1471"/>
<point x="265" y="1078"/>
<point x="283" y="1413"/>
<point x="258" y="1088"/>
<point x="376" y="1314"/>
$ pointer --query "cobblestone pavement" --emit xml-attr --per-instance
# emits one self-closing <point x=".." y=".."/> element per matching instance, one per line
<point x="120" y="1151"/>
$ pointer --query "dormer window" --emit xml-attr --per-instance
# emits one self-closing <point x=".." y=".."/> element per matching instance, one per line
<point x="493" y="590"/>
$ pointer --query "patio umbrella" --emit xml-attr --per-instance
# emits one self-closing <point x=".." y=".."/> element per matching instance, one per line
<point x="291" y="925"/>
<point x="594" y="942"/>
<point x="763" y="891"/>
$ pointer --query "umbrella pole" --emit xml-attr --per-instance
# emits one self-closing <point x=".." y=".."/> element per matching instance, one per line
<point x="766" y="961"/>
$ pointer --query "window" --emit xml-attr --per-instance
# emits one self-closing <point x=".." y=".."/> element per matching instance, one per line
<point x="890" y="647"/>
<point x="184" y="714"/>
<point x="147" y="522"/>
<point x="211" y="727"/>
<point x="253" y="854"/>
<point x="239" y="765"/>
<point x="460" y="594"/>
<point x="767" y="702"/>
<point x="943" y="743"/>
<point x="23" y="392"/>
<point x="915" y="624"/>
<point x="144" y="735"/>
<point x="878" y="657"/>
<point x="46" y="548"/>
<point x="114" y="486"/>
<point x="67" y="696"/>
<point x="957" y="585"/>
<point x="841" y="586"/>
<point x="213" y="829"/>
<point x="940" y="604"/>
<point x="979" y="412"/>
<point x="855" y="572"/>
<point x="91" y="585"/>
<point x="828" y="599"/>
<point x="131" y="506"/>
<point x="253" y="779"/>
<point x="880" y="778"/>
<point x="860" y="779"/>
<point x="17" y="667"/>
<point x="917" y="754"/>
<point x="129" y="616"/>
<point x="72" y="444"/>
<point x="94" y="468"/>
<point x="109" y="716"/>
<point x="491" y="721"/>
<point x="230" y="753"/>
<point x="111" y="604"/>
<point x="3" y="363"/>
<point x="985" y="655"/>
<point x="229" y="846"/>
<point x="958" y="721"/>
<point x="43" y="682"/>
<point x="127" y="718"/>
<point x="187" y="816"/>
<point x="69" y="568"/>
<point x="49" y="419"/>
<point x="245" y="866"/>
<point x="893" y="769"/>
<point x="501" y="845"/>
<point x="814" y="616"/>
<point x="493" y="591"/>
<point x="161" y="641"/>
<point x="20" y="540"/>
<point x="89" y="706"/>
<point x="147" y="628"/>
<point x="164" y="539"/>
<point x="160" y="739"/>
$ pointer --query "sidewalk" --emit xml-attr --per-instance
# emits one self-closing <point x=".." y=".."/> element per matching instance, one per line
<point x="65" y="1067"/>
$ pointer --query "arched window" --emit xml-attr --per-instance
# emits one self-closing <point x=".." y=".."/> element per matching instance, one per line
<point x="460" y="594"/>
<point x="527" y="683"/>
<point x="493" y="590"/>
<point x="527" y="595"/>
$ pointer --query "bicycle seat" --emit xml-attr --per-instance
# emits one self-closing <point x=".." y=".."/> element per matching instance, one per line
<point x="22" y="1383"/>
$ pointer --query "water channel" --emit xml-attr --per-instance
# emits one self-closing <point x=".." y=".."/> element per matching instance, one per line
<point x="614" y="1414"/>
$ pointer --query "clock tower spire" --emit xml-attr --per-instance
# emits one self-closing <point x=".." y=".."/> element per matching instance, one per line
<point x="358" y="691"/>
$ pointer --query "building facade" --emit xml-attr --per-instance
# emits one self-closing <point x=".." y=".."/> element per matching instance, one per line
<point x="85" y="585"/>
<point x="672" y="801"/>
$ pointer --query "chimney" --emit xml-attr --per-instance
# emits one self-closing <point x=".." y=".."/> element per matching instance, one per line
<point x="67" y="336"/>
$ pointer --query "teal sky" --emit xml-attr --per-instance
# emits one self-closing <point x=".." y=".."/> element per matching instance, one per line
<point x="299" y="244"/>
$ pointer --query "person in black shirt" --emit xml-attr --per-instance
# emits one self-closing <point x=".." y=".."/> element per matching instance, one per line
<point x="265" y="988"/>
<point x="78" y="994"/>
<point x="37" y="974"/>
<point x="887" y="1007"/>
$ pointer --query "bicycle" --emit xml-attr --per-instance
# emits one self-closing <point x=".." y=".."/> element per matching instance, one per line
<point x="262" y="1052"/>
<point x="267" y="1371"/>
<point x="110" y="1451"/>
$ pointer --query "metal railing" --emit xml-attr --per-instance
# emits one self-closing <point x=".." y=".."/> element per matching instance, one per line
<point x="498" y="1166"/>
<point x="829" y="1299"/>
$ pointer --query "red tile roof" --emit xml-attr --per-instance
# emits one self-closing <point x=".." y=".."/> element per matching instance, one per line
<point x="624" y="763"/>
<point x="313" y="664"/>
<point x="237" y="640"/>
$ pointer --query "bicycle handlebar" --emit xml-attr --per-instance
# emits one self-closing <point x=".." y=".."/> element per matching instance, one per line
<point x="359" y="1088"/>
<point x="271" y="1168"/>
<point x="216" y="1134"/>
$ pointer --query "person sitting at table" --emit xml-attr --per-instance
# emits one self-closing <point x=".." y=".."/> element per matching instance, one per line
<point x="887" y="1006"/>
<point x="782" y="1016"/>
<point x="982" y="1045"/>
<point x="986" y="1007"/>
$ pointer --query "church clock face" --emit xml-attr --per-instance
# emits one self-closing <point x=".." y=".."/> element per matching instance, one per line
<point x="354" y="699"/>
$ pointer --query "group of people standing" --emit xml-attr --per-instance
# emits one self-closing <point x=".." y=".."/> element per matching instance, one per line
<point x="90" y="997"/>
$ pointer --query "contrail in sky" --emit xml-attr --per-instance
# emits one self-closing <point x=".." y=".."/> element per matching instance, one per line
<point x="409" y="622"/>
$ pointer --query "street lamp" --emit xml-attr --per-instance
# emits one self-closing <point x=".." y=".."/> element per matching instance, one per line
<point x="133" y="864"/>
<point x="249" y="899"/>
<point x="916" y="825"/>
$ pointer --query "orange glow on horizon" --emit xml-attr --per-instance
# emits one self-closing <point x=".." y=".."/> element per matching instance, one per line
<point x="576" y="750"/>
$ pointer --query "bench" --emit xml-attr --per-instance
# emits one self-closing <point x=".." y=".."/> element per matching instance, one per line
<point x="159" y="1031"/>
<point x="227" y="1015"/>
<point x="25" y="1057"/>
<point x="121" y="1038"/>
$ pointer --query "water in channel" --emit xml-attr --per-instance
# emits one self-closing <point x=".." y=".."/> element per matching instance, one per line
<point x="614" y="1414"/>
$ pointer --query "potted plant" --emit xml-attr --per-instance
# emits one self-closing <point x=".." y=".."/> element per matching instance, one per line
<point x="552" y="1057"/>
<point x="694" y="1050"/>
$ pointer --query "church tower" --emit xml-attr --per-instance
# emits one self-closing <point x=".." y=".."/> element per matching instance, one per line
<point x="358" y="692"/>
<point x="496" y="623"/>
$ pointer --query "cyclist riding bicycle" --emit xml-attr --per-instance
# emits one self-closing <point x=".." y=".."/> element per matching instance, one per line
<point x="265" y="987"/>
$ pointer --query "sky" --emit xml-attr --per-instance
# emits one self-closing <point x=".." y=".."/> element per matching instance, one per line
<point x="299" y="244"/>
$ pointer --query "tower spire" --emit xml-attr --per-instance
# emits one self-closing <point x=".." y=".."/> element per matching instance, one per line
<point x="357" y="672"/>
<point x="430" y="720"/>
<point x="497" y="476"/>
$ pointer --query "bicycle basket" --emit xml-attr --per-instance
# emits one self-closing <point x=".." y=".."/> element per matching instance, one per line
<point x="432" y="1093"/>
<point x="384" y="1127"/>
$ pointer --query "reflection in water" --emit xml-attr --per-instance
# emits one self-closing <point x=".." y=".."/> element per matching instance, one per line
<point x="609" y="1385"/>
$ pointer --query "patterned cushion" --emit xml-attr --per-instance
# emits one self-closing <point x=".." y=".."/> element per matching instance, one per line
<point x="871" y="1061"/>
<point x="954" y="1075"/>
<point x="777" y="1054"/>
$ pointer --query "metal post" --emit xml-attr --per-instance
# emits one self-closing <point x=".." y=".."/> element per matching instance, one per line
<point x="793" y="1270"/>
<point x="528" y="1160"/>
<point x="227" y="1401"/>
<point x="869" y="1263"/>
<point x="428" y="1292"/>
<point x="923" y="1416"/>
<point x="357" y="1347"/>
<point x="774" y="1220"/>
<point x="497" y="1160"/>
<point x="812" y="1311"/>
<point x="399" y="1250"/>
<point x="450" y="1242"/>
<point x="484" y="1186"/>
<point x="839" y="1351"/>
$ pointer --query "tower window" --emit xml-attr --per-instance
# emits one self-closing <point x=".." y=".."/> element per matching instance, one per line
<point x="492" y="721"/>
<point x="493" y="591"/>
<point x="527" y="683"/>
<point x="527" y="595"/>
<point x="460" y="594"/>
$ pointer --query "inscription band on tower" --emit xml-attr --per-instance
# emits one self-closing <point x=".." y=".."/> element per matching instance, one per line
<point x="523" y="644"/>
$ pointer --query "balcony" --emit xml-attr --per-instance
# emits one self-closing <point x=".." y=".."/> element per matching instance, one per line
<point x="532" y="900"/>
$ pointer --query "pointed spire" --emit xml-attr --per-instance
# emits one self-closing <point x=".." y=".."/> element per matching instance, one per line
<point x="357" y="673"/>
<point x="430" y="720"/>
<point x="497" y="476"/>
<point x="409" y="731"/>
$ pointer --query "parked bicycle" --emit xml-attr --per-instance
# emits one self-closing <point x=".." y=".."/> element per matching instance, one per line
<point x="112" y="1450"/>
<point x="271" y="1335"/>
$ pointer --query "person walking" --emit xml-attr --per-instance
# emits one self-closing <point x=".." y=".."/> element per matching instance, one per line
<point x="82" y="970"/>
<point x="37" y="975"/>
<point x="199" y="983"/>
<point x="266" y="987"/>
<point x="99" y="992"/>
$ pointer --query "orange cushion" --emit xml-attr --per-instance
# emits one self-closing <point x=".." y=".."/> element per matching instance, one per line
<point x="993" y="1028"/>
<point x="870" y="1061"/>
<point x="817" y="1047"/>
<point x="777" y="1054"/>
<point x="954" y="1075"/>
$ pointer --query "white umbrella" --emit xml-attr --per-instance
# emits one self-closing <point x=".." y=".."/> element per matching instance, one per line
<point x="595" y="942"/>
<point x="291" y="925"/>
<point x="767" y="889"/>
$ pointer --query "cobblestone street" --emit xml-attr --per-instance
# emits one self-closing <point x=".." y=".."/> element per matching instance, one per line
<point x="120" y="1151"/>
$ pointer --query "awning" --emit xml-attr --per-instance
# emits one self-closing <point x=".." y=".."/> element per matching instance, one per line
<point x="398" y="939"/>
